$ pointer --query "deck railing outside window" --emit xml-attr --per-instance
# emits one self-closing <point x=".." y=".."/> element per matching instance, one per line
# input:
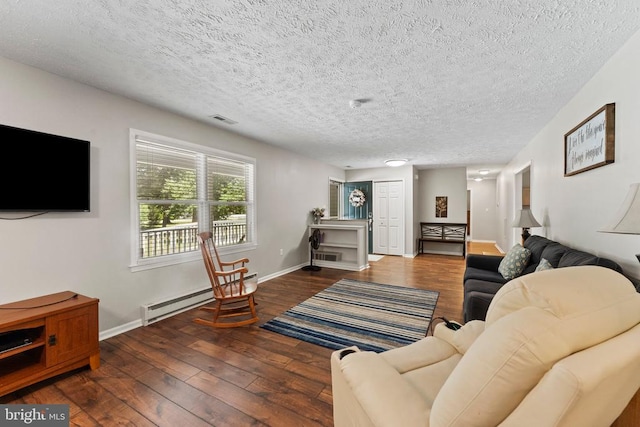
<point x="184" y="238"/>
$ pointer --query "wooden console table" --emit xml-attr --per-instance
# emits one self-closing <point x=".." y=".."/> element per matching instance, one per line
<point x="47" y="336"/>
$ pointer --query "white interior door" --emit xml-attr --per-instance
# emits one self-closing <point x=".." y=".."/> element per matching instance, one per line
<point x="388" y="221"/>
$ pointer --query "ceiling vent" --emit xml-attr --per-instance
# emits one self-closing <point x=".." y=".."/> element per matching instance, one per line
<point x="223" y="119"/>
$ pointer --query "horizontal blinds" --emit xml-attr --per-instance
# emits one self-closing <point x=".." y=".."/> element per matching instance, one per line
<point x="165" y="173"/>
<point x="229" y="180"/>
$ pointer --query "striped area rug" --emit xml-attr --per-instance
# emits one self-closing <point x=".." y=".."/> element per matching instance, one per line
<point x="373" y="316"/>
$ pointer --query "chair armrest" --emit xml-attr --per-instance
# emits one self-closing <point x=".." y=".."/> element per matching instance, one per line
<point x="463" y="337"/>
<point x="242" y="271"/>
<point x="484" y="262"/>
<point x="424" y="352"/>
<point x="233" y="263"/>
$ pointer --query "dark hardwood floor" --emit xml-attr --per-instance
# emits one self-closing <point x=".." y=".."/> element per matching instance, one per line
<point x="178" y="373"/>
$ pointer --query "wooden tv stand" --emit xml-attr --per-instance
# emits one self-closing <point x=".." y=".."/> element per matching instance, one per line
<point x="49" y="335"/>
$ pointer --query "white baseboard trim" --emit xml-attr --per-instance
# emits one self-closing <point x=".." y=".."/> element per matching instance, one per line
<point x="482" y="241"/>
<point x="138" y="322"/>
<point x="280" y="273"/>
<point x="120" y="329"/>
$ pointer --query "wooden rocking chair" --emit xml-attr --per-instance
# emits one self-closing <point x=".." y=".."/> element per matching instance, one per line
<point x="233" y="297"/>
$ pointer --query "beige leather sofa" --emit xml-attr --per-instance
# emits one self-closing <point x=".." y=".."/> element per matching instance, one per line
<point x="558" y="348"/>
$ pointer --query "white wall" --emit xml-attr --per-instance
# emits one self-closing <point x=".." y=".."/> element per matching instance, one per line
<point x="483" y="210"/>
<point x="88" y="253"/>
<point x="450" y="182"/>
<point x="572" y="209"/>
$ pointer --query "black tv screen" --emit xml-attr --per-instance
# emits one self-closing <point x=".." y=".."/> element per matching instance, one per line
<point x="43" y="172"/>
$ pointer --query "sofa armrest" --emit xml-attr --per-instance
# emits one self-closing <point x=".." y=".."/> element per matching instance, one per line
<point x="484" y="262"/>
<point x="463" y="337"/>
<point x="476" y="304"/>
<point x="382" y="394"/>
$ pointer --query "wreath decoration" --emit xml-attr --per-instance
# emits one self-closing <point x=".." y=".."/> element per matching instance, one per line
<point x="357" y="198"/>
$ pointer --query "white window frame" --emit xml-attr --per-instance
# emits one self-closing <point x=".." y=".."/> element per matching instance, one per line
<point x="137" y="262"/>
<point x="339" y="202"/>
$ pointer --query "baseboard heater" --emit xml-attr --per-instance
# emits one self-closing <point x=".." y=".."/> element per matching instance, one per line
<point x="170" y="307"/>
<point x="327" y="256"/>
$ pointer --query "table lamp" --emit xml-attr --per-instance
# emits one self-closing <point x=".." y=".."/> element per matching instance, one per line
<point x="525" y="219"/>
<point x="627" y="220"/>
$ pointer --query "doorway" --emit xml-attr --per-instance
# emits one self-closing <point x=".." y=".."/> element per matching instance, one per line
<point x="522" y="199"/>
<point x="468" y="213"/>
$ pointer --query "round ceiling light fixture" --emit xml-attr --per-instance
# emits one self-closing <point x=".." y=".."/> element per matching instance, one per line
<point x="395" y="162"/>
<point x="355" y="103"/>
<point x="483" y="171"/>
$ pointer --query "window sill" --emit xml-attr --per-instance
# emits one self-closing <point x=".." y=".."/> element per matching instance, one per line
<point x="169" y="260"/>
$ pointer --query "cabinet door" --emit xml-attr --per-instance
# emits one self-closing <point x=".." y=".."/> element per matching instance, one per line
<point x="73" y="334"/>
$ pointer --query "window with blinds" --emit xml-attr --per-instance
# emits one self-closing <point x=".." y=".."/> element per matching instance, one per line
<point x="183" y="189"/>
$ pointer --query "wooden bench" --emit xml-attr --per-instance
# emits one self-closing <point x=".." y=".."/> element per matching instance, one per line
<point x="443" y="232"/>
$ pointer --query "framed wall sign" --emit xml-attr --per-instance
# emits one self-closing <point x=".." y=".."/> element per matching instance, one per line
<point x="591" y="144"/>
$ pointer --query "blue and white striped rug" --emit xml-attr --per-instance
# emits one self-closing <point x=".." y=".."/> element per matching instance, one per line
<point x="373" y="316"/>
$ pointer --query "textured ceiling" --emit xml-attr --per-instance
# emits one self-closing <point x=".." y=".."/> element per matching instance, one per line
<point x="444" y="83"/>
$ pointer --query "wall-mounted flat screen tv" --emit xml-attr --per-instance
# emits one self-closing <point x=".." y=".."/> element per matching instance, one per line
<point x="40" y="172"/>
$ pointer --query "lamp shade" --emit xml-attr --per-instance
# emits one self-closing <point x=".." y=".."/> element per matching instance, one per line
<point x="627" y="220"/>
<point x="525" y="219"/>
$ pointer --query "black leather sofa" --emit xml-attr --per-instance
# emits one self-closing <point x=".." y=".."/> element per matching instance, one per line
<point x="482" y="279"/>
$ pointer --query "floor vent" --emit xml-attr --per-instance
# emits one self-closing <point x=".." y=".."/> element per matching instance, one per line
<point x="327" y="256"/>
<point x="162" y="309"/>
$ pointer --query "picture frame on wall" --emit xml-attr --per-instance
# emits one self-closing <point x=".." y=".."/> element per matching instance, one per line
<point x="591" y="144"/>
<point x="441" y="206"/>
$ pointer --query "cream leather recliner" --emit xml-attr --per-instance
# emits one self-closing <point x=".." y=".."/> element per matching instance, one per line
<point x="558" y="348"/>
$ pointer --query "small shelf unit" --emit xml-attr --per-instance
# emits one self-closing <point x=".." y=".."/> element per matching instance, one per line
<point x="341" y="246"/>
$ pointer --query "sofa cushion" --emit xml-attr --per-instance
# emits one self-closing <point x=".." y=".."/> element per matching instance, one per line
<point x="544" y="265"/>
<point x="574" y="257"/>
<point x="536" y="245"/>
<point x="484" y="262"/>
<point x="605" y="262"/>
<point x="478" y="285"/>
<point x="514" y="262"/>
<point x="472" y="273"/>
<point x="553" y="252"/>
